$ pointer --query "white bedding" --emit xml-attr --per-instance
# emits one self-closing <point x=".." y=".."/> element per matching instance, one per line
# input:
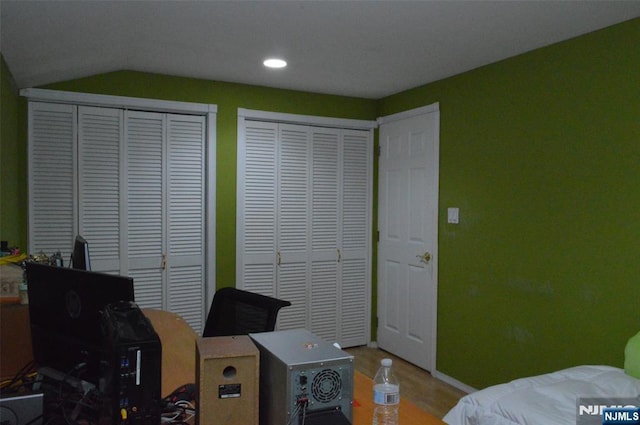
<point x="548" y="399"/>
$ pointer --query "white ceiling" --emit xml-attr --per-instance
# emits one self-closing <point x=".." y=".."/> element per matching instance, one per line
<point x="367" y="49"/>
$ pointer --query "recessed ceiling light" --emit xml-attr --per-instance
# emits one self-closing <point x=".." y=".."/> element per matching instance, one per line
<point x="274" y="63"/>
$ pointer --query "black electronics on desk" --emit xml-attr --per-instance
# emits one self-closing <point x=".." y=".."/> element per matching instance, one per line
<point x="79" y="334"/>
<point x="134" y="352"/>
<point x="80" y="257"/>
<point x="64" y="310"/>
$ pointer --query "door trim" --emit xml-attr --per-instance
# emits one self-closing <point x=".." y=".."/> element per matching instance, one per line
<point x="432" y="108"/>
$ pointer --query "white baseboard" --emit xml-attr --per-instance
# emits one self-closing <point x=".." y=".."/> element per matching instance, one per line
<point x="453" y="382"/>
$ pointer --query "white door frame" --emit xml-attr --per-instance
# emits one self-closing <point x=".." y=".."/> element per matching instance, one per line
<point x="433" y="108"/>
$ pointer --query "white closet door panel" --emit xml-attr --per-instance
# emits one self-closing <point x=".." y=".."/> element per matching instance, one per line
<point x="99" y="147"/>
<point x="259" y="278"/>
<point x="355" y="192"/>
<point x="257" y="223"/>
<point x="145" y="205"/>
<point x="186" y="200"/>
<point x="52" y="208"/>
<point x="324" y="190"/>
<point x="186" y="296"/>
<point x="324" y="299"/>
<point x="257" y="208"/>
<point x="148" y="293"/>
<point x="354" y="312"/>
<point x="355" y="236"/>
<point x="186" y="186"/>
<point x="292" y="286"/>
<point x="293" y="191"/>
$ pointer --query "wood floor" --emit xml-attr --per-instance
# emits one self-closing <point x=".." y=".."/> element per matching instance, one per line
<point x="416" y="385"/>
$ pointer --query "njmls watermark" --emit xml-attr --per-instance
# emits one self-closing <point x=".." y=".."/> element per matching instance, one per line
<point x="608" y="411"/>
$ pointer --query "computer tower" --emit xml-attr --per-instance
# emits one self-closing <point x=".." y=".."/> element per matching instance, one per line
<point x="301" y="373"/>
<point x="133" y="359"/>
<point x="227" y="381"/>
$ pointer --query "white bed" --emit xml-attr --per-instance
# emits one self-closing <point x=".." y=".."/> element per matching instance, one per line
<point x="548" y="399"/>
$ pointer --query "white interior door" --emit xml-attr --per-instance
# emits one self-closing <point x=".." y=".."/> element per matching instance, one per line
<point x="408" y="223"/>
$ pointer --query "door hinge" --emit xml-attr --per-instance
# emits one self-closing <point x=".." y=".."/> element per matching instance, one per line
<point x="378" y="236"/>
<point x="378" y="150"/>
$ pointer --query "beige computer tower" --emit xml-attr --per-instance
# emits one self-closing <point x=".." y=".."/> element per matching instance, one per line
<point x="227" y="381"/>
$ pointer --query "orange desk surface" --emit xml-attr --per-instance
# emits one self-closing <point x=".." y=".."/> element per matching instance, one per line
<point x="408" y="413"/>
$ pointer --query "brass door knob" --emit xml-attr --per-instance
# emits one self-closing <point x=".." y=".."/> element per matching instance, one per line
<point x="426" y="257"/>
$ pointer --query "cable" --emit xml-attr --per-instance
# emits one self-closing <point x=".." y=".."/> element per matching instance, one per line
<point x="294" y="414"/>
<point x="19" y="377"/>
<point x="301" y="408"/>
<point x="37" y="418"/>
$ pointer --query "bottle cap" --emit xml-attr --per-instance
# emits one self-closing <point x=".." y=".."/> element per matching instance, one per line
<point x="386" y="362"/>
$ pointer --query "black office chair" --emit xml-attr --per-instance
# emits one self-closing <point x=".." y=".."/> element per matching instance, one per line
<point x="237" y="312"/>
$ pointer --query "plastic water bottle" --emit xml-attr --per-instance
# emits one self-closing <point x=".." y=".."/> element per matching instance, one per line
<point x="386" y="395"/>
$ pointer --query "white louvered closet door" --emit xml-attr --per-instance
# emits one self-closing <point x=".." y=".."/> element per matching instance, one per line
<point x="355" y="225"/>
<point x="133" y="184"/>
<point x="52" y="160"/>
<point x="303" y="228"/>
<point x="256" y="221"/>
<point x="146" y="203"/>
<point x="292" y="229"/>
<point x="99" y="188"/>
<point x="324" y="239"/>
<point x="186" y="232"/>
<point x="165" y="212"/>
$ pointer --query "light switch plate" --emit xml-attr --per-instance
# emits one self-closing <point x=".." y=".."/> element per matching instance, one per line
<point x="453" y="215"/>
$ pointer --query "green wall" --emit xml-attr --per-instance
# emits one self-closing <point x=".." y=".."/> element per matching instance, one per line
<point x="13" y="171"/>
<point x="541" y="153"/>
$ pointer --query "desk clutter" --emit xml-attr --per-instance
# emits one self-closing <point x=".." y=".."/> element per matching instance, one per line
<point x="98" y="359"/>
<point x="288" y="377"/>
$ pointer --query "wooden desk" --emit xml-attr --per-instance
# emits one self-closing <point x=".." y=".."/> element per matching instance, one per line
<point x="178" y="349"/>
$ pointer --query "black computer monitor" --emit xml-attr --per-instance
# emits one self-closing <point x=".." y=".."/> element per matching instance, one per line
<point x="65" y="311"/>
<point x="80" y="257"/>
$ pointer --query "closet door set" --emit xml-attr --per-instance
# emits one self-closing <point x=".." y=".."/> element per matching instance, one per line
<point x="304" y="220"/>
<point x="133" y="184"/>
<point x="136" y="178"/>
